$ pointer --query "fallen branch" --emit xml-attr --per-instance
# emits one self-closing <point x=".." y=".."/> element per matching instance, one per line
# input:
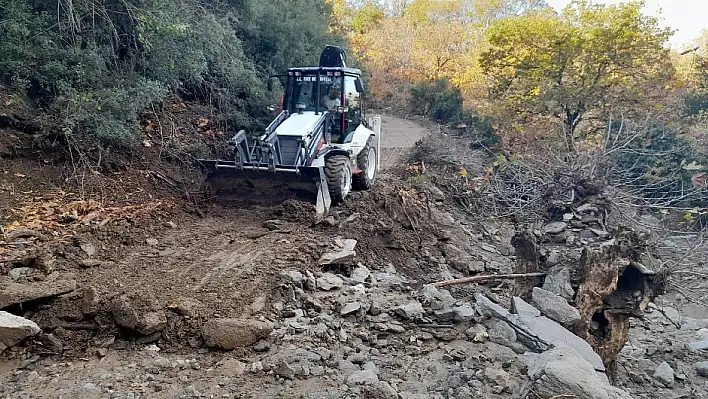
<point x="24" y="233"/>
<point x="468" y="280"/>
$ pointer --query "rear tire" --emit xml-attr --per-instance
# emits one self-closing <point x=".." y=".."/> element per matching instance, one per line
<point x="338" y="169"/>
<point x="366" y="160"/>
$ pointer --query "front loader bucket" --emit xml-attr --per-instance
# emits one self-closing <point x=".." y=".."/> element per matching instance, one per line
<point x="251" y="184"/>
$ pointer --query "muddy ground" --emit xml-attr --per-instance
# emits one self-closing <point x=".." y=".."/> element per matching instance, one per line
<point x="151" y="244"/>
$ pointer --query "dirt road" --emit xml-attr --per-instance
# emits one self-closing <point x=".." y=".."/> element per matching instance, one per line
<point x="399" y="136"/>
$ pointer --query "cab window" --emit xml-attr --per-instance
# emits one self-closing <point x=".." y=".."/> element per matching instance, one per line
<point x="353" y="102"/>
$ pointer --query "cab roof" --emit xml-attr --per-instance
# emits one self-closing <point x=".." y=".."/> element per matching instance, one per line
<point x="348" y="71"/>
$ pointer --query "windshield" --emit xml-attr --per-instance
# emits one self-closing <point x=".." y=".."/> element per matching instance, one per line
<point x="304" y="92"/>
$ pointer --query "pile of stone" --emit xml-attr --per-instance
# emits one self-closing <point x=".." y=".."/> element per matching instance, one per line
<point x="580" y="225"/>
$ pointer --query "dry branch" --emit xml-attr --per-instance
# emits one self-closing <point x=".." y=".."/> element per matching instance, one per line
<point x="468" y="280"/>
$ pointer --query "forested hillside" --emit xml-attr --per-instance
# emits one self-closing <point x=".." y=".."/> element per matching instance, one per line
<point x="94" y="65"/>
<point x="592" y="83"/>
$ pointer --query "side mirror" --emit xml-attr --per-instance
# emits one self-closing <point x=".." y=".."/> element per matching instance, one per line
<point x="359" y="85"/>
<point x="272" y="108"/>
<point x="270" y="83"/>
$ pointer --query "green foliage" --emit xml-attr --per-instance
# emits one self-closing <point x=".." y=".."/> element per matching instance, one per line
<point x="278" y="34"/>
<point x="437" y="99"/>
<point x="97" y="65"/>
<point x="589" y="57"/>
<point x="442" y="101"/>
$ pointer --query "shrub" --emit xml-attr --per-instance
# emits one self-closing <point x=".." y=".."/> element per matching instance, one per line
<point x="437" y="99"/>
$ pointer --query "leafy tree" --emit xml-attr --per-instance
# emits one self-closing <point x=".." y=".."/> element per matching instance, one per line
<point x="589" y="57"/>
<point x="96" y="65"/>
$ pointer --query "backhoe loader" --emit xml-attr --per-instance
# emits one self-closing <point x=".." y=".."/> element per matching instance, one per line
<point x="318" y="148"/>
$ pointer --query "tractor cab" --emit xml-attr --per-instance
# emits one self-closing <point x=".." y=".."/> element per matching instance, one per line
<point x="331" y="90"/>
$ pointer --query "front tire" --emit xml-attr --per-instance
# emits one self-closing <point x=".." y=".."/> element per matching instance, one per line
<point x="366" y="160"/>
<point x="338" y="169"/>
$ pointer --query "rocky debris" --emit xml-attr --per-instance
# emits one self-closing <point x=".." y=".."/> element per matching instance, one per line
<point x="360" y="274"/>
<point x="664" y="374"/>
<point x="293" y="277"/>
<point x="558" y="282"/>
<point x="362" y="377"/>
<point x="12" y="293"/>
<point x="537" y="333"/>
<point x="555" y="307"/>
<point x="380" y="390"/>
<point x="185" y="307"/>
<point x="273" y="224"/>
<point x="702" y="368"/>
<point x="90" y="303"/>
<point x="409" y="311"/>
<point x="283" y="369"/>
<point x="329" y="282"/>
<point x="89" y="263"/>
<point x="345" y="252"/>
<point x="460" y="258"/>
<point x="698" y="345"/>
<point x="15" y="329"/>
<point x="562" y="371"/>
<point x="437" y="298"/>
<point x="22" y="273"/>
<point x="139" y="313"/>
<point x="234" y="333"/>
<point x="555" y="227"/>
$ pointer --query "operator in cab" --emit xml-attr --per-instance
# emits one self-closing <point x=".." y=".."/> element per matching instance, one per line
<point x="332" y="100"/>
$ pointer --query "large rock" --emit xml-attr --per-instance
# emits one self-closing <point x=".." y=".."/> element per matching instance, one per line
<point x="562" y="372"/>
<point x="361" y="274"/>
<point x="702" y="368"/>
<point x="362" y="377"/>
<point x="12" y="293"/>
<point x="409" y="311"/>
<point x="664" y="374"/>
<point x="555" y="307"/>
<point x="464" y="313"/>
<point x="139" y="313"/>
<point x="437" y="298"/>
<point x="380" y="390"/>
<point x="555" y="227"/>
<point x="234" y="333"/>
<point x="461" y="260"/>
<point x="15" y="329"/>
<point x="698" y="345"/>
<point x="558" y="282"/>
<point x="538" y="333"/>
<point x="329" y="282"/>
<point x="345" y="253"/>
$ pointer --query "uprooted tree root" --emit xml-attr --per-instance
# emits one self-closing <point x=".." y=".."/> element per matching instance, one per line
<point x="612" y="287"/>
